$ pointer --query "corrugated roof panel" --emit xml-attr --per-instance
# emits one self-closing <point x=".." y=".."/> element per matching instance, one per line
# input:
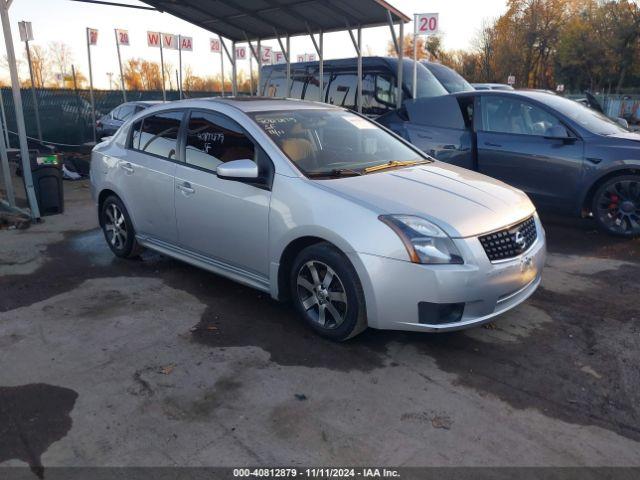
<point x="241" y="19"/>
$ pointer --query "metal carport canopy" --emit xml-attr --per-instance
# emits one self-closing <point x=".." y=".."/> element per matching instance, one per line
<point x="250" y="20"/>
<point x="257" y="20"/>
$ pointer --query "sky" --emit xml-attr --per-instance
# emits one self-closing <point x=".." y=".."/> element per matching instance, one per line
<point x="66" y="21"/>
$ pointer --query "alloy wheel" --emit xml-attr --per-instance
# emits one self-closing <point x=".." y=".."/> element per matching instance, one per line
<point x="322" y="294"/>
<point x="619" y="206"/>
<point x="115" y="226"/>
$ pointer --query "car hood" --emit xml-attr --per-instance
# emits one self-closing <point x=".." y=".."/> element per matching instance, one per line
<point x="463" y="203"/>
<point x="626" y="136"/>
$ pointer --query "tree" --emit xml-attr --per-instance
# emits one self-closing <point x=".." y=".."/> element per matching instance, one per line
<point x="41" y="66"/>
<point x="61" y="59"/>
<point x="407" y="48"/>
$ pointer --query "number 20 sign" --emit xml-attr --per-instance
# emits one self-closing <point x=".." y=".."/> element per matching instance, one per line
<point x="427" y="24"/>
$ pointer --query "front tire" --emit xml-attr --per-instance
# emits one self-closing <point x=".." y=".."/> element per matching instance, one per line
<point x="327" y="293"/>
<point x="616" y="206"/>
<point x="118" y="229"/>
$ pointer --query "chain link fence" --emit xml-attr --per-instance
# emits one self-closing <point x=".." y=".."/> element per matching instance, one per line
<point x="65" y="114"/>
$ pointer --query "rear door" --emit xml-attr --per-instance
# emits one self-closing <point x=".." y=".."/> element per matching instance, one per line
<point x="438" y="127"/>
<point x="224" y="220"/>
<point x="519" y="143"/>
<point x="146" y="174"/>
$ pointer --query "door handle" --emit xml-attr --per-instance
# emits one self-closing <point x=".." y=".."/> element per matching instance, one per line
<point x="186" y="188"/>
<point x="127" y="167"/>
<point x="489" y="144"/>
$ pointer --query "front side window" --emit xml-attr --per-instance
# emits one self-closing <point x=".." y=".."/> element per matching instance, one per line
<point x="213" y="139"/>
<point x="321" y="142"/>
<point x="514" y="116"/>
<point x="157" y="134"/>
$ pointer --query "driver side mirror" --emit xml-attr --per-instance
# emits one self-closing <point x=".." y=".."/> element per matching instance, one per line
<point x="622" y="122"/>
<point x="238" y="170"/>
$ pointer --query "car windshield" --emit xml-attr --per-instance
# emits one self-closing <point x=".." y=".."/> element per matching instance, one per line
<point x="327" y="142"/>
<point x="450" y="79"/>
<point x="587" y="118"/>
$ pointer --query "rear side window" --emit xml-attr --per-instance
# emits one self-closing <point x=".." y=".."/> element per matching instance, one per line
<point x="157" y="134"/>
<point x="213" y="139"/>
<point x="342" y="90"/>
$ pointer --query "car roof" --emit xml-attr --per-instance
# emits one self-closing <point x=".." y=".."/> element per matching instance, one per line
<point x="252" y="103"/>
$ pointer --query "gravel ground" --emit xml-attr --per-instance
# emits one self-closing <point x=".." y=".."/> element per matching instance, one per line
<point x="153" y="362"/>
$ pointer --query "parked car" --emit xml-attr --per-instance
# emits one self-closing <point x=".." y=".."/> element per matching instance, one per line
<point x="451" y="80"/>
<point x="565" y="156"/>
<point x="379" y="82"/>
<point x="322" y="206"/>
<point x="492" y="86"/>
<point x="109" y="124"/>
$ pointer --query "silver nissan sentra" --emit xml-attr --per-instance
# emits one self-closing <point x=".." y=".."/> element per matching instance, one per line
<point x="318" y="205"/>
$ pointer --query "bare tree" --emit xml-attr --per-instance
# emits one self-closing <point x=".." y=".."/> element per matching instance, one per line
<point x="61" y="59"/>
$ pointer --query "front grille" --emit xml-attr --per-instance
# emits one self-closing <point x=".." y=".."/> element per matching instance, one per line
<point x="510" y="242"/>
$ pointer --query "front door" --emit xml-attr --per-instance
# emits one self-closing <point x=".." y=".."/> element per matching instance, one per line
<point x="529" y="148"/>
<point x="225" y="220"/>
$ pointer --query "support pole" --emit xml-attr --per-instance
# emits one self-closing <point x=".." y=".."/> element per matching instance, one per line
<point x="288" y="66"/>
<point x="321" y="70"/>
<point x="5" y="126"/>
<point x="414" y="83"/>
<point x="357" y="43"/>
<point x="221" y="67"/>
<point x="259" y="60"/>
<point x="318" y="46"/>
<point x="91" y="96"/>
<point x="180" y="65"/>
<point x="17" y="101"/>
<point x="164" y="90"/>
<point x="33" y="92"/>
<point x="253" y="53"/>
<point x="285" y="52"/>
<point x="400" y="64"/>
<point x="232" y="59"/>
<point x="234" y="71"/>
<point x="124" y="91"/>
<point x="6" y="173"/>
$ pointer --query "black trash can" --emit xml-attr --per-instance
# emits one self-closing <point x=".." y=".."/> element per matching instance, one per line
<point x="46" y="170"/>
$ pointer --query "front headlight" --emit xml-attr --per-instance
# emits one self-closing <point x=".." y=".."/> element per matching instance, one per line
<point x="424" y="241"/>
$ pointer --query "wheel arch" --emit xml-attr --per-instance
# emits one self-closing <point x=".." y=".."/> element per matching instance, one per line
<point x="287" y="257"/>
<point x="587" y="198"/>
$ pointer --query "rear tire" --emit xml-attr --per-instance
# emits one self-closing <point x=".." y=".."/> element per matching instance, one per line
<point x="327" y="293"/>
<point x="616" y="206"/>
<point x="118" y="229"/>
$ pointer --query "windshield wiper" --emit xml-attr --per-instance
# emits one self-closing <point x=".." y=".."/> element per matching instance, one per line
<point x="336" y="172"/>
<point x="394" y="164"/>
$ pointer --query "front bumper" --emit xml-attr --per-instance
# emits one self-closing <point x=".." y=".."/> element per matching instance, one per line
<point x="394" y="288"/>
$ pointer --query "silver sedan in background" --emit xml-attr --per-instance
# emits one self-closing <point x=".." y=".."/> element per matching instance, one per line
<point x="318" y="205"/>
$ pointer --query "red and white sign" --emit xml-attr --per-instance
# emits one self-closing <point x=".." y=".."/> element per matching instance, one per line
<point x="186" y="44"/>
<point x="427" y="24"/>
<point x="265" y="55"/>
<point x="241" y="53"/>
<point x="122" y="37"/>
<point x="300" y="58"/>
<point x="278" y="57"/>
<point x="511" y="80"/>
<point x="214" y="45"/>
<point x="153" y="39"/>
<point x="169" y="41"/>
<point x="92" y="36"/>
